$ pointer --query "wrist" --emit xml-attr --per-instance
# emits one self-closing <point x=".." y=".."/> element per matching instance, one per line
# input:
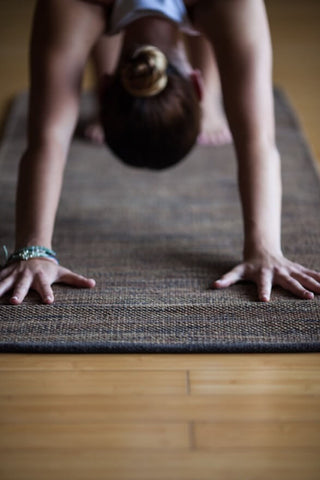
<point x="261" y="249"/>
<point x="29" y="241"/>
<point x="31" y="252"/>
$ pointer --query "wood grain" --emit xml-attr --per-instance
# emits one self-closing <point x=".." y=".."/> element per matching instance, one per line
<point x="146" y="436"/>
<point x="222" y="464"/>
<point x="128" y="362"/>
<point x="166" y="417"/>
<point x="158" y="408"/>
<point x="257" y="435"/>
<point x="271" y="382"/>
<point x="94" y="383"/>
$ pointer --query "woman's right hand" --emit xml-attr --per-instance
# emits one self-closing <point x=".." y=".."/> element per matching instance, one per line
<point x="38" y="274"/>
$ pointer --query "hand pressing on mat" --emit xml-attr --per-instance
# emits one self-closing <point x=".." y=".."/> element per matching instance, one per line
<point x="268" y="270"/>
<point x="38" y="274"/>
<point x="150" y="104"/>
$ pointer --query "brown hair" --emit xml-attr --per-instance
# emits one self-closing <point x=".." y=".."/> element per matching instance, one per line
<point x="150" y="114"/>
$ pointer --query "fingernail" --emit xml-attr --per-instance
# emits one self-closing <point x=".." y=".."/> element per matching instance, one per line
<point x="308" y="295"/>
<point x="14" y="299"/>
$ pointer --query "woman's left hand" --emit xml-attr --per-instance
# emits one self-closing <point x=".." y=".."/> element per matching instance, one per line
<point x="267" y="270"/>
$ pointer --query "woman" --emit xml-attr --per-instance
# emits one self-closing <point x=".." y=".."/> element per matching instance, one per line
<point x="65" y="32"/>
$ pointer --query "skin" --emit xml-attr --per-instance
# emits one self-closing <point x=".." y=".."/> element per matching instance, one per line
<point x="214" y="127"/>
<point x="242" y="45"/>
<point x="64" y="33"/>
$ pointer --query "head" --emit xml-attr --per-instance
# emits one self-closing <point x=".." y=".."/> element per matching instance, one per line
<point x="150" y="111"/>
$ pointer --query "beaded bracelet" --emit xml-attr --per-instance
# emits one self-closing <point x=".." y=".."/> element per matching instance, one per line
<point x="34" y="251"/>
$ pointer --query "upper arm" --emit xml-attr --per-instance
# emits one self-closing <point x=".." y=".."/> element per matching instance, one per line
<point x="64" y="32"/>
<point x="239" y="33"/>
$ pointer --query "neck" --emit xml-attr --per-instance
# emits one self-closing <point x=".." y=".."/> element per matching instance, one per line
<point x="160" y="33"/>
<point x="152" y="31"/>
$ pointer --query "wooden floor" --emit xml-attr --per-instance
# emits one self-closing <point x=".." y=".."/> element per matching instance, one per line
<point x="188" y="417"/>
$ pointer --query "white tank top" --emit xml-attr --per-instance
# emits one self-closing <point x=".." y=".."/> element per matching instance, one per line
<point x="127" y="11"/>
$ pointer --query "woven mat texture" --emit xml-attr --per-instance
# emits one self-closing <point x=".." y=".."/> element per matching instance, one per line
<point x="154" y="242"/>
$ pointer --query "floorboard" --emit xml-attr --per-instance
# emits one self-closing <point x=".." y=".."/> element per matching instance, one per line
<point x="163" y="417"/>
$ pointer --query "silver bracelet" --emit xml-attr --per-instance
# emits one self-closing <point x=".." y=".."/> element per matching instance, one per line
<point x="34" y="251"/>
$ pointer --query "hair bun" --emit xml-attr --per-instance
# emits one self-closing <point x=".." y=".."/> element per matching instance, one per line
<point x="145" y="72"/>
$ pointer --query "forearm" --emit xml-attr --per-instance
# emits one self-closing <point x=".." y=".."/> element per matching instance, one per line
<point x="260" y="191"/>
<point x="52" y="119"/>
<point x="239" y="33"/>
<point x="39" y="186"/>
<point x="62" y="36"/>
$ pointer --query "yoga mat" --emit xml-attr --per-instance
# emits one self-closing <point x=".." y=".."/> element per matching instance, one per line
<point x="154" y="241"/>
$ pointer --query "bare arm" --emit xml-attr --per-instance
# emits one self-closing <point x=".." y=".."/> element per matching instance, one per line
<point x="239" y="33"/>
<point x="241" y="40"/>
<point x="64" y="32"/>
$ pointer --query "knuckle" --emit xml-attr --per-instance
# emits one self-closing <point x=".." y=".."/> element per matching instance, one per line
<point x="279" y="270"/>
<point x="21" y="278"/>
<point x="264" y="272"/>
<point x="283" y="273"/>
<point x="249" y="268"/>
<point x="40" y="276"/>
<point x="46" y="287"/>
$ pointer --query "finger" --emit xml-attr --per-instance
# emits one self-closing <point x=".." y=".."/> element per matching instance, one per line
<point x="76" y="280"/>
<point x="6" y="284"/>
<point x="312" y="273"/>
<point x="293" y="286"/>
<point x="5" y="272"/>
<point x="307" y="281"/>
<point x="265" y="285"/>
<point x="21" y="289"/>
<point x="229" y="278"/>
<point x="44" y="289"/>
